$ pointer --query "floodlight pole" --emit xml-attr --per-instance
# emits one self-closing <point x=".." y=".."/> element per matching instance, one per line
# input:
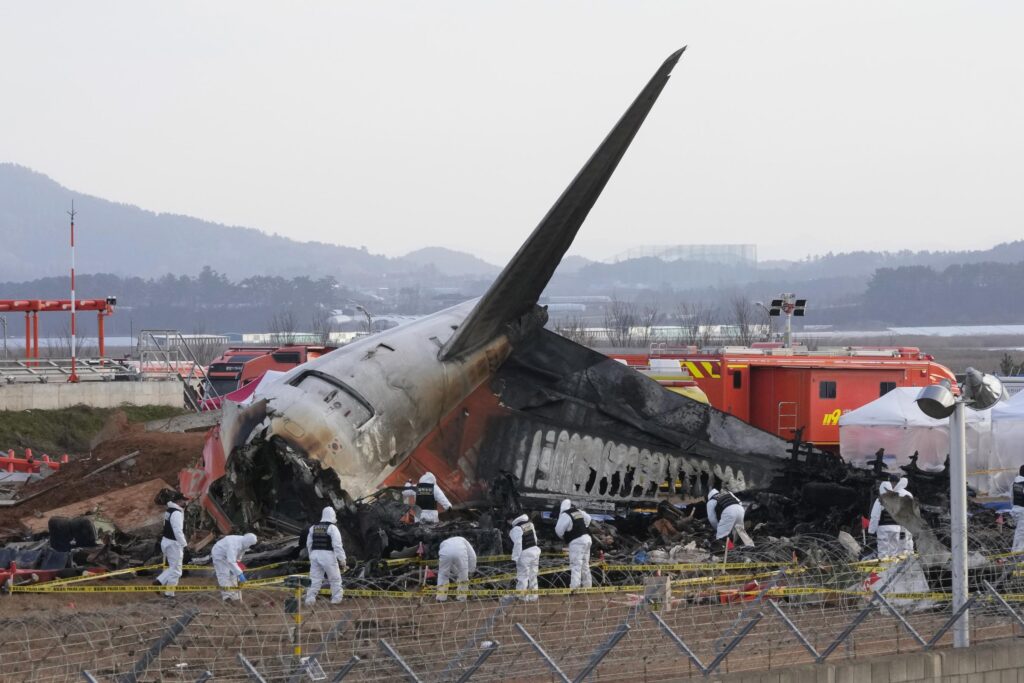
<point x="958" y="520"/>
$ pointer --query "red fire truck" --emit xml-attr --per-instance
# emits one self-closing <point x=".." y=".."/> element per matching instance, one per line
<point x="242" y="365"/>
<point x="781" y="389"/>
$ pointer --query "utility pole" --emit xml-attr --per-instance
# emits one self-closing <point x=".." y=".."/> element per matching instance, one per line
<point x="3" y="321"/>
<point x="74" y="373"/>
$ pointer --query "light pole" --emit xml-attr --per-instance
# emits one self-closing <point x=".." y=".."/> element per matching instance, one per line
<point x="980" y="392"/>
<point x="3" y="322"/>
<point x="369" y="318"/>
<point x="789" y="305"/>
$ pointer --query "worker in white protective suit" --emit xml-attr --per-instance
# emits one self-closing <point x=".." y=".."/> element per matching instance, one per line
<point x="526" y="555"/>
<point x="455" y="558"/>
<point x="572" y="527"/>
<point x="725" y="513"/>
<point x="1017" y="493"/>
<point x="428" y="496"/>
<point x="906" y="538"/>
<point x="226" y="555"/>
<point x="326" y="556"/>
<point x="885" y="528"/>
<point x="172" y="544"/>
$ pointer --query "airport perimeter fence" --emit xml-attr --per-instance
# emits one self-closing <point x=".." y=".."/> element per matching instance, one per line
<point x="640" y="622"/>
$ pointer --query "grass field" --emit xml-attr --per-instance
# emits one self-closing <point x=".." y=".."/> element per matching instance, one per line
<point x="68" y="430"/>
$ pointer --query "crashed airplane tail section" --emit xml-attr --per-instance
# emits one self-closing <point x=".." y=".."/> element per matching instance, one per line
<point x="481" y="395"/>
<point x="360" y="410"/>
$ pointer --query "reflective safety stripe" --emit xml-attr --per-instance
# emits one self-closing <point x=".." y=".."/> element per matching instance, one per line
<point x="321" y="537"/>
<point x="425" y="496"/>
<point x="529" y="535"/>
<point x="579" y="526"/>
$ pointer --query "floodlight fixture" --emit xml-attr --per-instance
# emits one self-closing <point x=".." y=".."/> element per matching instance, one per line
<point x="936" y="401"/>
<point x="981" y="390"/>
<point x="788" y="305"/>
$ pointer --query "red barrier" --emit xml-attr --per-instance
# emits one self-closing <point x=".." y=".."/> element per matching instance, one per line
<point x="29" y="464"/>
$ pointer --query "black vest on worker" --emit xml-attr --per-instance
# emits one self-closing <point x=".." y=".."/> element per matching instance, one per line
<point x="1018" y="494"/>
<point x="885" y="519"/>
<point x="529" y="535"/>
<point x="579" y="526"/>
<point x="321" y="539"/>
<point x="168" y="531"/>
<point x="425" y="496"/>
<point x="724" y="500"/>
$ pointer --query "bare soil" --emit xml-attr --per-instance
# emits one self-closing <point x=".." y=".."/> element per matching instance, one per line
<point x="161" y="455"/>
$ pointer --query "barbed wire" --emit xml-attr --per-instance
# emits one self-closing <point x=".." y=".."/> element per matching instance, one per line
<point x="753" y="607"/>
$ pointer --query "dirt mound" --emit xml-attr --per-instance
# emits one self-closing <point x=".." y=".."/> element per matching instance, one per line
<point x="161" y="455"/>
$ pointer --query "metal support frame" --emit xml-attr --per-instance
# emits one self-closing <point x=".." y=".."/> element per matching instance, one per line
<point x="156" y="648"/>
<point x="544" y="655"/>
<point x="679" y="643"/>
<point x="897" y="569"/>
<point x="747" y="628"/>
<point x="793" y="627"/>
<point x="481" y="633"/>
<point x="1006" y="606"/>
<point x="601" y="651"/>
<point x="331" y="636"/>
<point x="487" y="652"/>
<point x="409" y="673"/>
<point x="949" y="623"/>
<point x="250" y="670"/>
<point x="755" y="605"/>
<point x="349" y="665"/>
<point x="906" y="624"/>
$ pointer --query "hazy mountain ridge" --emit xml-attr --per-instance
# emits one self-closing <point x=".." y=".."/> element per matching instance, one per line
<point x="134" y="241"/>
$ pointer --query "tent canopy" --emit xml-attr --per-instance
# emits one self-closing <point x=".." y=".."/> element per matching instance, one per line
<point x="895" y="423"/>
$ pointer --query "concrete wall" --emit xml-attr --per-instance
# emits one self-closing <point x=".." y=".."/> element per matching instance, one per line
<point x="1002" y="662"/>
<point x="49" y="396"/>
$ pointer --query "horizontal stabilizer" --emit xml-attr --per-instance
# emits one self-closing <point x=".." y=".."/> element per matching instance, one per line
<point x="519" y="286"/>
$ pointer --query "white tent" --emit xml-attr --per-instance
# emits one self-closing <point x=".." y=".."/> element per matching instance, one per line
<point x="1007" y="444"/>
<point x="895" y="423"/>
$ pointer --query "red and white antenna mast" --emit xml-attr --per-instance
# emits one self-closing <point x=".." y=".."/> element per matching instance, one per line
<point x="74" y="374"/>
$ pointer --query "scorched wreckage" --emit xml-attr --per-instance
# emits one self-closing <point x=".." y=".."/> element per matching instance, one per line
<point x="504" y="412"/>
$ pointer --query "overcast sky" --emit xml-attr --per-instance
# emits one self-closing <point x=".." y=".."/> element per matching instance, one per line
<point x="800" y="127"/>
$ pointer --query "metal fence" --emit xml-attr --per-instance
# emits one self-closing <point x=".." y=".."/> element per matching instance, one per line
<point x="642" y="623"/>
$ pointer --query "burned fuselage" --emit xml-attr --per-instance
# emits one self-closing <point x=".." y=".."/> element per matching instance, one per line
<point x="480" y="393"/>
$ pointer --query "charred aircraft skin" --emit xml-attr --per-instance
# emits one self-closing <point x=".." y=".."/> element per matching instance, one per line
<point x="359" y="410"/>
<point x="480" y="392"/>
<point x="580" y="424"/>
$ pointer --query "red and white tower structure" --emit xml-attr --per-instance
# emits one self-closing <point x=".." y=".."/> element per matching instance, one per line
<point x="73" y="377"/>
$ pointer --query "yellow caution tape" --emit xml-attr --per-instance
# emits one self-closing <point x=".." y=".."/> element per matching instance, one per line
<point x="105" y="575"/>
<point x="453" y="590"/>
<point x="691" y="566"/>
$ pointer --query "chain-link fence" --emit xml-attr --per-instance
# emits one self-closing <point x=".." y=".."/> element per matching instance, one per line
<point x="758" y="610"/>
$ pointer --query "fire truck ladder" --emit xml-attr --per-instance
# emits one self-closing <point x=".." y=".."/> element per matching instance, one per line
<point x="165" y="354"/>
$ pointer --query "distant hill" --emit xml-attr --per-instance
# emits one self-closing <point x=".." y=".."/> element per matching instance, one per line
<point x="127" y="240"/>
<point x="451" y="262"/>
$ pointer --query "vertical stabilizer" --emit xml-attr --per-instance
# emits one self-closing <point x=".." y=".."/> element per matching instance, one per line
<point x="519" y="286"/>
